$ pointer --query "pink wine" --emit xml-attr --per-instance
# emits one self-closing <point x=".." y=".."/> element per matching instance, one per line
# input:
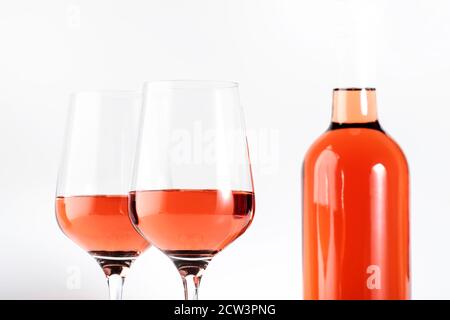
<point x="100" y="224"/>
<point x="192" y="222"/>
<point x="355" y="207"/>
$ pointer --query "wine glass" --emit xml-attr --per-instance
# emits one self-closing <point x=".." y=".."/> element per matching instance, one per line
<point x="192" y="189"/>
<point x="94" y="180"/>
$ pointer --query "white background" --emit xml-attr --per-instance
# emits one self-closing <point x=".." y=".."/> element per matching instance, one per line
<point x="284" y="55"/>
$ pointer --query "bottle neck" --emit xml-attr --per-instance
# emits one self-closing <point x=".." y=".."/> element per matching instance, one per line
<point x="354" y="105"/>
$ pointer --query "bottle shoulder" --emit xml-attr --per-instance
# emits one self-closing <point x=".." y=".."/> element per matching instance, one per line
<point x="357" y="143"/>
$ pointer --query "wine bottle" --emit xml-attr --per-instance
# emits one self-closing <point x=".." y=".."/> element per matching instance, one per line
<point x="355" y="206"/>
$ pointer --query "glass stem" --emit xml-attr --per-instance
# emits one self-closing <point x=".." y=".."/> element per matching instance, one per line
<point x="191" y="284"/>
<point x="115" y="271"/>
<point x="115" y="284"/>
<point x="191" y="271"/>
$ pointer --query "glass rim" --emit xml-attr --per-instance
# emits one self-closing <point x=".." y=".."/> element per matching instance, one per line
<point x="105" y="93"/>
<point x="192" y="84"/>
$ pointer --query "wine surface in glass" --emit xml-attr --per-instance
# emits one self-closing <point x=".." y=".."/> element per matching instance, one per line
<point x="193" y="223"/>
<point x="100" y="224"/>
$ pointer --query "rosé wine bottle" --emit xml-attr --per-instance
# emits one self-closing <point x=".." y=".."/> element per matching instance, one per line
<point x="355" y="207"/>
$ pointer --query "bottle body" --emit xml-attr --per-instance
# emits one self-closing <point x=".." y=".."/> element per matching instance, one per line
<point x="355" y="215"/>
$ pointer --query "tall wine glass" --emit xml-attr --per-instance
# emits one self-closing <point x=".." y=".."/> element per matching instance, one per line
<point x="94" y="180"/>
<point x="192" y="184"/>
